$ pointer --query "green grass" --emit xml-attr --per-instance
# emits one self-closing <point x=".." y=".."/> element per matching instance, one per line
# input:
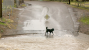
<point x="85" y="20"/>
<point x="15" y="6"/>
<point x="3" y="9"/>
<point x="2" y="23"/>
<point x="85" y="4"/>
<point x="3" y="19"/>
<point x="81" y="2"/>
<point x="82" y="5"/>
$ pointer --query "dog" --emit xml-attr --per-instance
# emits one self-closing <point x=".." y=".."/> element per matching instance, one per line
<point x="49" y="30"/>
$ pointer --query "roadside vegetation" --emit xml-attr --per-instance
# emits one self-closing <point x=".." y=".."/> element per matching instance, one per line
<point x="81" y="5"/>
<point x="9" y="19"/>
<point x="83" y="8"/>
<point x="6" y="24"/>
<point x="85" y="20"/>
<point x="84" y="25"/>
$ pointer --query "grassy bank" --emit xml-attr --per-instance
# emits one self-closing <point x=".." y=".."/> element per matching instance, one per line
<point x="80" y="7"/>
<point x="2" y="21"/>
<point x="84" y="25"/>
<point x="2" y="24"/>
<point x="85" y="20"/>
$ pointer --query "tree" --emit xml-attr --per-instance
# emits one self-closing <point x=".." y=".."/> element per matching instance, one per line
<point x="0" y="8"/>
<point x="77" y="0"/>
<point x="69" y="1"/>
<point x="72" y="0"/>
<point x="22" y="1"/>
<point x="83" y="0"/>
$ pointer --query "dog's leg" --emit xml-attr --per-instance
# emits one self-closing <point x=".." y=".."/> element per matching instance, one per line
<point x="52" y="33"/>
<point x="47" y="33"/>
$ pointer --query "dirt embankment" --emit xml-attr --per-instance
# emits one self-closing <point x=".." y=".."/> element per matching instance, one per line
<point x="10" y="22"/>
<point x="83" y="27"/>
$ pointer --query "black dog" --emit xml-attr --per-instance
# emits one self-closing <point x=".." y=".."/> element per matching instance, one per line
<point x="49" y="30"/>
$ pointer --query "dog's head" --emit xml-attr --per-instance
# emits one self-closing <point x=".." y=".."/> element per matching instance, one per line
<point x="52" y="29"/>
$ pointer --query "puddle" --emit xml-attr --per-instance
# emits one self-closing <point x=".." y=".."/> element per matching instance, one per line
<point x="34" y="25"/>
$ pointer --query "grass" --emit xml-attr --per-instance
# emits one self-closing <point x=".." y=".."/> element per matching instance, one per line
<point x="80" y="7"/>
<point x="84" y="4"/>
<point x="85" y="20"/>
<point x="15" y="5"/>
<point x="2" y="23"/>
<point x="3" y="19"/>
<point x="3" y="9"/>
<point x="80" y="2"/>
<point x="6" y="21"/>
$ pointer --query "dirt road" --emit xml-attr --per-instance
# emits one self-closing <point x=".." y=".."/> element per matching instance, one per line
<point x="62" y="19"/>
